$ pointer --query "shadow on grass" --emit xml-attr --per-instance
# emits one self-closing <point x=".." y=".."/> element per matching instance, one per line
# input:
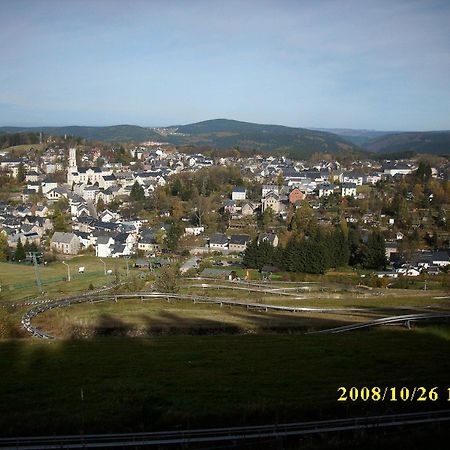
<point x="114" y="384"/>
<point x="192" y="319"/>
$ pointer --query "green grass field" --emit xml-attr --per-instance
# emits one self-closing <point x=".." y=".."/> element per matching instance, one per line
<point x="189" y="381"/>
<point x="21" y="149"/>
<point x="157" y="317"/>
<point x="18" y="281"/>
<point x="331" y="295"/>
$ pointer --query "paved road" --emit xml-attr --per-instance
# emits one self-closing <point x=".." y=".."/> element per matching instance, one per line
<point x="223" y="435"/>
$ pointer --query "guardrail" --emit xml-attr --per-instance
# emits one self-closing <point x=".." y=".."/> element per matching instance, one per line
<point x="407" y="318"/>
<point x="218" y="435"/>
<point x="85" y="298"/>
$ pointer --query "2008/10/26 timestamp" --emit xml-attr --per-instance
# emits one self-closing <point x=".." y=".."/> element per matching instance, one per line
<point x="392" y="394"/>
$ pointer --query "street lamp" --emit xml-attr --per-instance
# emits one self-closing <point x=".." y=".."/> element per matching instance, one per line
<point x="127" y="259"/>
<point x="104" y="265"/>
<point x="68" y="270"/>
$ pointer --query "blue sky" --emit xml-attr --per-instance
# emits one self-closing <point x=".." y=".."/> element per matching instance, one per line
<point x="348" y="64"/>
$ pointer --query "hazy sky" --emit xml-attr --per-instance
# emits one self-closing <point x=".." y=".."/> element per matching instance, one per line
<point x="357" y="64"/>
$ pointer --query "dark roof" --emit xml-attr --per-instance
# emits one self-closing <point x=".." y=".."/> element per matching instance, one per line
<point x="147" y="239"/>
<point x="103" y="240"/>
<point x="82" y="234"/>
<point x="142" y="263"/>
<point x="327" y="186"/>
<point x="64" y="238"/>
<point x="239" y="239"/>
<point x="268" y="268"/>
<point x="118" y="248"/>
<point x="267" y="237"/>
<point x="215" y="273"/>
<point x="218" y="238"/>
<point x="105" y="225"/>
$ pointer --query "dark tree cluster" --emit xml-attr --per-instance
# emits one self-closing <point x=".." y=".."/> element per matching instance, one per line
<point x="319" y="252"/>
<point x="203" y="182"/>
<point x="10" y="140"/>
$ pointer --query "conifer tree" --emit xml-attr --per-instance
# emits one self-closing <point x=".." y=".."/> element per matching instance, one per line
<point x="19" y="254"/>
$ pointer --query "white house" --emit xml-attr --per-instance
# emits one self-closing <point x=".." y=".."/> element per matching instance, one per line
<point x="348" y="190"/>
<point x="271" y="200"/>
<point x="325" y="189"/>
<point x="239" y="193"/>
<point x="193" y="231"/>
<point x="218" y="241"/>
<point x="269" y="188"/>
<point x="104" y="246"/>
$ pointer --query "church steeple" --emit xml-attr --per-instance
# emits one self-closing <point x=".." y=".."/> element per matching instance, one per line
<point x="73" y="159"/>
<point x="72" y="165"/>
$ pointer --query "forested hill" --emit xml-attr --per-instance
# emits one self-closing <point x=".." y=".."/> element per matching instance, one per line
<point x="299" y="142"/>
<point x="435" y="142"/>
<point x="116" y="133"/>
<point x="219" y="133"/>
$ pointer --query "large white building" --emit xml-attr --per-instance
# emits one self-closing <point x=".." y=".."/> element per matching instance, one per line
<point x="91" y="175"/>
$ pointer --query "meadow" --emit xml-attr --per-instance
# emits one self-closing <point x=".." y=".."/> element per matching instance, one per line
<point x="119" y="384"/>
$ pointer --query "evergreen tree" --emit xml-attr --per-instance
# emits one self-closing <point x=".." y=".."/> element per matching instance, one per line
<point x="173" y="236"/>
<point x="354" y="246"/>
<point x="250" y="254"/>
<point x="338" y="248"/>
<point x="21" y="174"/>
<point x="4" y="248"/>
<point x="19" y="254"/>
<point x="176" y="188"/>
<point x="100" y="204"/>
<point x="137" y="193"/>
<point x="60" y="221"/>
<point x="26" y="247"/>
<point x="33" y="247"/>
<point x="374" y="256"/>
<point x="423" y="172"/>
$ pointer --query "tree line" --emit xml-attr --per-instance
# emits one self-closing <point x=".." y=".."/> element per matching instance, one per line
<point x="10" y="140"/>
<point x="319" y="252"/>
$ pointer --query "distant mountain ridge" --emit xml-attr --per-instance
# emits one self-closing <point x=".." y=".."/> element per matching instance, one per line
<point x="433" y="142"/>
<point x="296" y="142"/>
<point x="114" y="133"/>
<point x="357" y="137"/>
<point x="216" y="133"/>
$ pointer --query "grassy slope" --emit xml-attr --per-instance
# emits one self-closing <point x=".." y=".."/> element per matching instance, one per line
<point x="13" y="274"/>
<point x="134" y="384"/>
<point x="133" y="317"/>
<point x="155" y="317"/>
<point x="21" y="149"/>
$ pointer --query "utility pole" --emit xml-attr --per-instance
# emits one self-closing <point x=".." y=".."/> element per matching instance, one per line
<point x="68" y="270"/>
<point x="104" y="265"/>
<point x="127" y="259"/>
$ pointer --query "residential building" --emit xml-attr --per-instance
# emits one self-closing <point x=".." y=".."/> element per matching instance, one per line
<point x="66" y="243"/>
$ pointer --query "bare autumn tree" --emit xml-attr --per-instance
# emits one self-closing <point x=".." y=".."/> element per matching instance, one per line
<point x="201" y="206"/>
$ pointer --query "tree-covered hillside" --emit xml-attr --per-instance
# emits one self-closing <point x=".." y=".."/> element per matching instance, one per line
<point x="435" y="142"/>
<point x="220" y="134"/>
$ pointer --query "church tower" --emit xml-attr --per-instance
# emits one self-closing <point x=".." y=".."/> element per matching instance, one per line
<point x="73" y="159"/>
<point x="72" y="169"/>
